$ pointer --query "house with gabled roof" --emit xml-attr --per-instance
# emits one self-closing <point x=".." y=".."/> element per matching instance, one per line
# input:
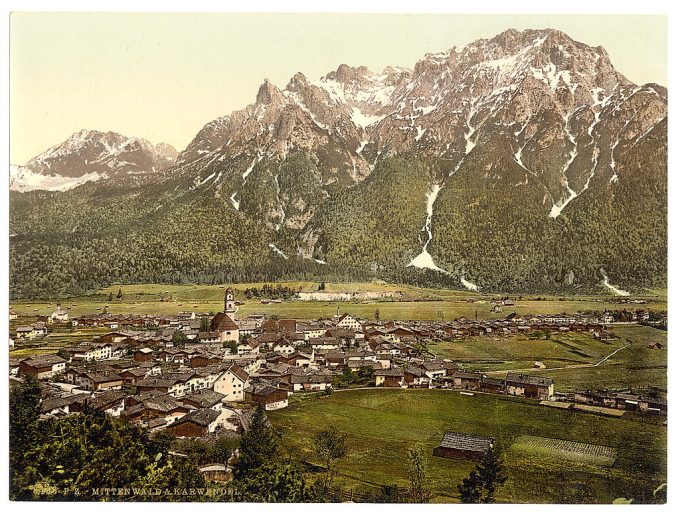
<point x="463" y="446"/>
<point x="349" y="322"/>
<point x="196" y="423"/>
<point x="266" y="395"/>
<point x="389" y="377"/>
<point x="42" y="367"/>
<point x="232" y="383"/>
<point x="524" y="385"/>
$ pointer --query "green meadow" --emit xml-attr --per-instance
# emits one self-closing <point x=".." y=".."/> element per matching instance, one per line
<point x="413" y="304"/>
<point x="382" y="424"/>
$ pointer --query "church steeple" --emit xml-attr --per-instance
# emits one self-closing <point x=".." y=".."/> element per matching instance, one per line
<point x="229" y="300"/>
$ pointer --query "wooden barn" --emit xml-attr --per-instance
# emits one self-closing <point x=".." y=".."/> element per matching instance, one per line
<point x="462" y="446"/>
<point x="196" y="423"/>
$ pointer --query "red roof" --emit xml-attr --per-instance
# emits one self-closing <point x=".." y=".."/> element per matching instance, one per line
<point x="223" y="322"/>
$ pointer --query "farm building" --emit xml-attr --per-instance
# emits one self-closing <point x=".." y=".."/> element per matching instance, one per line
<point x="463" y="446"/>
<point x="270" y="397"/>
<point x="389" y="377"/>
<point x="42" y="367"/>
<point x="196" y="423"/>
<point x="533" y="387"/>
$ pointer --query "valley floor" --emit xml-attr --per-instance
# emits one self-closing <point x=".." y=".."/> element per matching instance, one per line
<point x="405" y="303"/>
<point x="381" y="425"/>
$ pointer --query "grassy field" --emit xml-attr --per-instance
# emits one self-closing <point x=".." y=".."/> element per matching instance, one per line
<point x="415" y="304"/>
<point x="556" y="449"/>
<point x="633" y="367"/>
<point x="61" y="336"/>
<point x="381" y="425"/>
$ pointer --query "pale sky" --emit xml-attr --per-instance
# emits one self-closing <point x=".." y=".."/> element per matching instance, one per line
<point x="164" y="76"/>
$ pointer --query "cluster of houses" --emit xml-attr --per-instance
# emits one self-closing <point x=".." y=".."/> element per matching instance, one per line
<point x="224" y="366"/>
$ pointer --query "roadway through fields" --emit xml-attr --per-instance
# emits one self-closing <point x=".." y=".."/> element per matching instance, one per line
<point x="581" y="365"/>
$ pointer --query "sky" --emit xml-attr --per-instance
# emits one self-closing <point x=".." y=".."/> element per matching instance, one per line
<point x="164" y="76"/>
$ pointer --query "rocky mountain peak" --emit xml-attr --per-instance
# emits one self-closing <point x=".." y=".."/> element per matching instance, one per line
<point x="96" y="154"/>
<point x="346" y="73"/>
<point x="269" y="94"/>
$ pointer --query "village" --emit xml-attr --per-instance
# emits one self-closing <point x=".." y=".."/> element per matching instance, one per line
<point x="197" y="376"/>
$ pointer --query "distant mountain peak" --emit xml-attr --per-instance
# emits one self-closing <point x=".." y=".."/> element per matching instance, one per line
<point x="92" y="155"/>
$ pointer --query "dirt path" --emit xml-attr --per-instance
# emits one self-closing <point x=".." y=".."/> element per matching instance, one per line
<point x="581" y="365"/>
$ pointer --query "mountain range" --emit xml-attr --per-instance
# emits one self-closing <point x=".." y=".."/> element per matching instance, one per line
<point x="520" y="163"/>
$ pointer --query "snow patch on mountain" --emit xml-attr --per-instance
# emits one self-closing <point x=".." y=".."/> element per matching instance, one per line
<point x="608" y="285"/>
<point x="468" y="284"/>
<point x="22" y="179"/>
<point x="277" y="250"/>
<point x="424" y="259"/>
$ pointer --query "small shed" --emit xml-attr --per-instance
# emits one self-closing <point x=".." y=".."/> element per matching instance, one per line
<point x="463" y="446"/>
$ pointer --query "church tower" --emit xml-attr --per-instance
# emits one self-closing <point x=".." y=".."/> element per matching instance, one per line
<point x="229" y="306"/>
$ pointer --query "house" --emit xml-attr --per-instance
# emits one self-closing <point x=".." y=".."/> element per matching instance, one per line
<point x="467" y="380"/>
<point x="143" y="354"/>
<point x="151" y="405"/>
<point x="271" y="397"/>
<point x="247" y="326"/>
<point x="132" y="375"/>
<point x="14" y="366"/>
<point x="434" y="370"/>
<point x="196" y="423"/>
<point x="25" y="332"/>
<point x="252" y="346"/>
<point x="300" y="359"/>
<point x="283" y="346"/>
<point x="232" y="383"/>
<point x="42" y="367"/>
<point x="312" y="331"/>
<point x="462" y="446"/>
<point x="98" y="381"/>
<point x="304" y="380"/>
<point x="13" y="315"/>
<point x="415" y="377"/>
<point x="91" y="352"/>
<point x="225" y="326"/>
<point x="61" y="406"/>
<point x="58" y="315"/>
<point x="349" y="322"/>
<point x="389" y="377"/>
<point x="171" y="386"/>
<point x="529" y="386"/>
<point x="209" y="337"/>
<point x="203" y="360"/>
<point x="492" y="385"/>
<point x="111" y="402"/>
<point x="654" y="345"/>
<point x="204" y="399"/>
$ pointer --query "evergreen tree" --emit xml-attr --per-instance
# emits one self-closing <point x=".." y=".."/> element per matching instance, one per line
<point x="417" y="469"/>
<point x="259" y="446"/>
<point x="24" y="409"/>
<point x="480" y="485"/>
<point x="205" y="325"/>
<point x="178" y="338"/>
<point x="469" y="489"/>
<point x="119" y="295"/>
<point x="273" y="482"/>
<point x="70" y="458"/>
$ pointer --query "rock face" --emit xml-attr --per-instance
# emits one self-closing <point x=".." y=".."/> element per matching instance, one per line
<point x="538" y="100"/>
<point x="512" y="163"/>
<point x="90" y="156"/>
